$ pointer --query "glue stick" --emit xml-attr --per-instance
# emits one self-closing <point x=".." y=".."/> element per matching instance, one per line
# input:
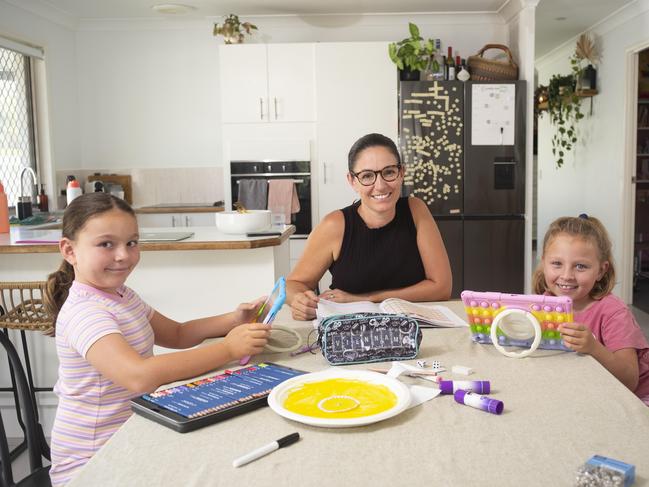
<point x="493" y="406"/>
<point x="451" y="386"/>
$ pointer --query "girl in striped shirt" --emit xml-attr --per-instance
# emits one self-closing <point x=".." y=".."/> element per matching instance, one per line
<point x="105" y="333"/>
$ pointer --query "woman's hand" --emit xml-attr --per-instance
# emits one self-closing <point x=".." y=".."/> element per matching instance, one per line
<point x="247" y="339"/>
<point x="247" y="312"/>
<point x="304" y="305"/>
<point x="340" y="296"/>
<point x="578" y="337"/>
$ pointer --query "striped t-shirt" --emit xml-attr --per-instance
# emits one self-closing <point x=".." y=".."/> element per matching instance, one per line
<point x="91" y="407"/>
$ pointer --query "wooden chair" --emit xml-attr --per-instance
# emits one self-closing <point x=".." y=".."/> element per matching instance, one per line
<point x="21" y="308"/>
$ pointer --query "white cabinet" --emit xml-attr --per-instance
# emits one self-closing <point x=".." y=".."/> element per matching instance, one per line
<point x="176" y="219"/>
<point x="296" y="248"/>
<point x="356" y="94"/>
<point x="267" y="83"/>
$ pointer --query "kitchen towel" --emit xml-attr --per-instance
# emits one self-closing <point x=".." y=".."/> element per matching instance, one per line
<point x="253" y="193"/>
<point x="282" y="198"/>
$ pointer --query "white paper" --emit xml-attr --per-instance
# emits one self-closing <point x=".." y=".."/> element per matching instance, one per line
<point x="421" y="394"/>
<point x="433" y="313"/>
<point x="493" y="114"/>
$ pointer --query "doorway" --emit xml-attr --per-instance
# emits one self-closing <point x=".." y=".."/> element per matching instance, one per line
<point x="641" y="220"/>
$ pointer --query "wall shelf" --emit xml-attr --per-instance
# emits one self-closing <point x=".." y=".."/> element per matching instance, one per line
<point x="580" y="94"/>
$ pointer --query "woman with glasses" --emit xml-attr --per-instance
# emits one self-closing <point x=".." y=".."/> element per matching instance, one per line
<point x="382" y="246"/>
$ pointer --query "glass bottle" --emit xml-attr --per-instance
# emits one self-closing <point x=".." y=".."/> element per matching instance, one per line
<point x="43" y="203"/>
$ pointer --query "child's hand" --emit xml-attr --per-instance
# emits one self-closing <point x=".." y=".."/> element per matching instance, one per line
<point x="578" y="337"/>
<point x="247" y="312"/>
<point x="247" y="339"/>
<point x="304" y="305"/>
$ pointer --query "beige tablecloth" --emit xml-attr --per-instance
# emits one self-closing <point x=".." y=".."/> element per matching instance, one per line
<point x="560" y="409"/>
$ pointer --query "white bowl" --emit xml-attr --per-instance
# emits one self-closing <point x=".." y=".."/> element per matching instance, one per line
<point x="238" y="223"/>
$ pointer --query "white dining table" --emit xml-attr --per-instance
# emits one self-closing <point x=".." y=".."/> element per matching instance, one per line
<point x="560" y="408"/>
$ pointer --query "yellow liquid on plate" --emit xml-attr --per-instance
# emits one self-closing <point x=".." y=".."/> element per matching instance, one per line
<point x="339" y="398"/>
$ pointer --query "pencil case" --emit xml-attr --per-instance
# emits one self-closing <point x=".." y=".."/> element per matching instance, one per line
<point x="368" y="337"/>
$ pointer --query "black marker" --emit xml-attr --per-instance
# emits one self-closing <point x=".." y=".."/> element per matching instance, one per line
<point x="266" y="449"/>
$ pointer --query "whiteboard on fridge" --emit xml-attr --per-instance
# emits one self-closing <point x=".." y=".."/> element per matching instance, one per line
<point x="493" y="114"/>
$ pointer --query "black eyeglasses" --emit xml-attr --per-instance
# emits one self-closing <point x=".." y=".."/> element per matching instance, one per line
<point x="368" y="177"/>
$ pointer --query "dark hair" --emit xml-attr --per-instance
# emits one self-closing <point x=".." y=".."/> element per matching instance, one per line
<point x="371" y="140"/>
<point x="588" y="228"/>
<point x="75" y="217"/>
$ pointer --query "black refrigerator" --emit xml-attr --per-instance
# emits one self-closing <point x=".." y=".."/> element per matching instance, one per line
<point x="463" y="145"/>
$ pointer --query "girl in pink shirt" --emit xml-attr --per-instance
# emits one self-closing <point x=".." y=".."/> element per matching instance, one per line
<point x="105" y="333"/>
<point x="577" y="263"/>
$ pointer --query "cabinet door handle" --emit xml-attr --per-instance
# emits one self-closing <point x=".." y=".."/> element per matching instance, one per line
<point x="261" y="108"/>
<point x="173" y="220"/>
<point x="275" y="100"/>
<point x="324" y="172"/>
<point x="187" y="221"/>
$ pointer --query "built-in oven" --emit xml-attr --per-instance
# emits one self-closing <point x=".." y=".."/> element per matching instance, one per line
<point x="299" y="171"/>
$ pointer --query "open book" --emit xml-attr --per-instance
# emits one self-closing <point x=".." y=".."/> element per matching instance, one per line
<point x="428" y="315"/>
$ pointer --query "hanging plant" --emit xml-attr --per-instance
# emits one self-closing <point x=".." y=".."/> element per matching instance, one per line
<point x="563" y="100"/>
<point x="233" y="30"/>
<point x="564" y="108"/>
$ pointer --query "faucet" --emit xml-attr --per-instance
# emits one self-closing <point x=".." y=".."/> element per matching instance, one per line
<point x="31" y="171"/>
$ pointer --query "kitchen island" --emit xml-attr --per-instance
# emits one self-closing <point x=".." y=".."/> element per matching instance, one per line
<point x="207" y="274"/>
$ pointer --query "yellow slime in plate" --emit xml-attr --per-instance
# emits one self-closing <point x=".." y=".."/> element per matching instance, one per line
<point x="339" y="398"/>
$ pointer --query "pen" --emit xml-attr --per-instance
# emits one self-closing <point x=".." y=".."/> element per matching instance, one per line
<point x="266" y="449"/>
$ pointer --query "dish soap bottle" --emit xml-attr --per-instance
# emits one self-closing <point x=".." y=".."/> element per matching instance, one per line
<point x="73" y="191"/>
<point x="4" y="211"/>
<point x="43" y="203"/>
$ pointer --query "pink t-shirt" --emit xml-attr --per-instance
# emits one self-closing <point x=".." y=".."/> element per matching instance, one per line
<point x="92" y="407"/>
<point x="615" y="327"/>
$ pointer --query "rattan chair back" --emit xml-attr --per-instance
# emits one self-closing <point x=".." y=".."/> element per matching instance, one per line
<point x="23" y="308"/>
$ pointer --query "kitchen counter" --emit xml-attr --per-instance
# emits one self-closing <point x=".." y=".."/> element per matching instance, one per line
<point x="205" y="238"/>
<point x="181" y="208"/>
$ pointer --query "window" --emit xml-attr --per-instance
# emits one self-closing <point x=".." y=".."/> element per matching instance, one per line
<point x="17" y="147"/>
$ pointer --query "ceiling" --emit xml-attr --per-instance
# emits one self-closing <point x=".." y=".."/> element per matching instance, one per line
<point x="557" y="20"/>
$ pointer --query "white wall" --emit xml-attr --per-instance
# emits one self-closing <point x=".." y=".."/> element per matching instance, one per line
<point x="150" y="97"/>
<point x="592" y="180"/>
<point x="59" y="44"/>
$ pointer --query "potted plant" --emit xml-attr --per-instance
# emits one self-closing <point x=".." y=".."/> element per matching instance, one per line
<point x="413" y="54"/>
<point x="233" y="30"/>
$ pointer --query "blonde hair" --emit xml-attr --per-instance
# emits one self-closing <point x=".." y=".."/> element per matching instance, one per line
<point x="74" y="218"/>
<point x="589" y="229"/>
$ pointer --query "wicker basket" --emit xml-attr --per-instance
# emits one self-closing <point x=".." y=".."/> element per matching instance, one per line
<point x="490" y="69"/>
<point x="22" y="307"/>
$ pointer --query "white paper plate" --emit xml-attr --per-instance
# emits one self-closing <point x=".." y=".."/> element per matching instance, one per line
<point x="279" y="394"/>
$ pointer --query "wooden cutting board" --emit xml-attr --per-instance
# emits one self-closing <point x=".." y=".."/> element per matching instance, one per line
<point x="123" y="180"/>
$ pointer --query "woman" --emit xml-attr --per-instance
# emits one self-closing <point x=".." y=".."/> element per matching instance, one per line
<point x="382" y="246"/>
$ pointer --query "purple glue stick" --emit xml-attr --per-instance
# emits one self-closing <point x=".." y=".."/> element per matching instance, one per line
<point x="493" y="406"/>
<point x="451" y="386"/>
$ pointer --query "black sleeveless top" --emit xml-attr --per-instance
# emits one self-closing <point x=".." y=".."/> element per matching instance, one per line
<point x="372" y="259"/>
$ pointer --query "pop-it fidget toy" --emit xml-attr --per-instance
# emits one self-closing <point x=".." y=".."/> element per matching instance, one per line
<point x="519" y="320"/>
